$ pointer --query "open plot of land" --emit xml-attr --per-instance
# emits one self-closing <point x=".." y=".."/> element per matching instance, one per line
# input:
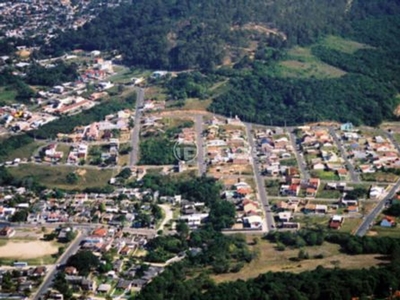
<point x="269" y="259"/>
<point x="7" y="96"/>
<point x="343" y="45"/>
<point x="26" y="151"/>
<point x="350" y="225"/>
<point x="379" y="177"/>
<point x="20" y="249"/>
<point x="312" y="220"/>
<point x="303" y="64"/>
<point x="56" y="176"/>
<point x="196" y="104"/>
<point x="385" y="231"/>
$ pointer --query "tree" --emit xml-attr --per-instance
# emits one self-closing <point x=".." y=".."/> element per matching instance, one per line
<point x="84" y="262"/>
<point x="302" y="254"/>
<point x="222" y="215"/>
<point x="182" y="229"/>
<point x="125" y="173"/>
<point x="20" y="216"/>
<point x="72" y="178"/>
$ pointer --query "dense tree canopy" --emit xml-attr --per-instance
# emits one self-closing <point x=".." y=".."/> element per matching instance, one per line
<point x="84" y="261"/>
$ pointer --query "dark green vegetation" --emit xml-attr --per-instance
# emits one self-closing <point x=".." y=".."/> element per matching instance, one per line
<point x="221" y="253"/>
<point x="60" y="73"/>
<point x="254" y="36"/>
<point x="157" y="148"/>
<point x="179" y="34"/>
<point x="157" y="151"/>
<point x="10" y="83"/>
<point x="366" y="94"/>
<point x="318" y="284"/>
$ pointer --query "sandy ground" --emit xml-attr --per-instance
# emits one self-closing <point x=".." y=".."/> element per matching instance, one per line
<point x="27" y="249"/>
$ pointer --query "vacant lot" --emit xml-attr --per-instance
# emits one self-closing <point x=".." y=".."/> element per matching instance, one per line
<point x="269" y="259"/>
<point x="302" y="63"/>
<point x="19" y="249"/>
<point x="26" y="151"/>
<point x="56" y="175"/>
<point x="343" y="45"/>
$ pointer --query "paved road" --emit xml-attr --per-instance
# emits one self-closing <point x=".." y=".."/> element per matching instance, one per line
<point x="369" y="219"/>
<point x="200" y="145"/>
<point x="300" y="159"/>
<point x="84" y="227"/>
<point x="353" y="175"/>
<point x="133" y="157"/>
<point x="270" y="223"/>
<point x="393" y="140"/>
<point x="48" y="281"/>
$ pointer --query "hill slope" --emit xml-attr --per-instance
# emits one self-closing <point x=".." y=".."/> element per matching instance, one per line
<point x="356" y="81"/>
<point x="177" y="34"/>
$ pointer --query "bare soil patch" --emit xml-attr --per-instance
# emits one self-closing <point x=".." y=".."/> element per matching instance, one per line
<point x="27" y="249"/>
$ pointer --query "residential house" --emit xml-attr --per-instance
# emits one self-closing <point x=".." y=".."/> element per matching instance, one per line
<point x="284" y="216"/>
<point x="376" y="192"/>
<point x="124" y="284"/>
<point x="347" y="126"/>
<point x="388" y="221"/>
<point x="88" y="284"/>
<point x="6" y="232"/>
<point x="336" y="222"/>
<point x="252" y="222"/>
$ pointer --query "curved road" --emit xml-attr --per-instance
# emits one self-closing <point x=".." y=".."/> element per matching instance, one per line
<point x="369" y="219"/>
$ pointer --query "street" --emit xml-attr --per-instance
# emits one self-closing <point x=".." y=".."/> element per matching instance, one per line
<point x="349" y="165"/>
<point x="200" y="145"/>
<point x="133" y="157"/>
<point x="300" y="159"/>
<point x="369" y="219"/>
<point x="262" y="193"/>
<point x="48" y="280"/>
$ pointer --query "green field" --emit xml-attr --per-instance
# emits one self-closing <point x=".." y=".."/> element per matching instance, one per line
<point x="7" y="96"/>
<point x="301" y="63"/>
<point x="341" y="44"/>
<point x="26" y="151"/>
<point x="55" y="176"/>
<point x="328" y="194"/>
<point x="384" y="231"/>
<point x="324" y="175"/>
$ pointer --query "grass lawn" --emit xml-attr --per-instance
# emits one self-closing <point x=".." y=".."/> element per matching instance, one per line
<point x="350" y="225"/>
<point x="65" y="149"/>
<point x="384" y="231"/>
<point x="291" y="162"/>
<point x="55" y="176"/>
<point x="26" y="151"/>
<point x="341" y="44"/>
<point x="7" y="96"/>
<point x="272" y="187"/>
<point x="196" y="104"/>
<point x="328" y="194"/>
<point x="379" y="176"/>
<point x="325" y="175"/>
<point x="312" y="220"/>
<point x="271" y="260"/>
<point x="302" y="63"/>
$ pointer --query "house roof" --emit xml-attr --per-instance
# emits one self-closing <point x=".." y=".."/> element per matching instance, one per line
<point x="100" y="232"/>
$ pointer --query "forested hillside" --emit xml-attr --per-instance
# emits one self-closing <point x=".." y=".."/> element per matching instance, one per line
<point x="247" y="44"/>
<point x="176" y="34"/>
